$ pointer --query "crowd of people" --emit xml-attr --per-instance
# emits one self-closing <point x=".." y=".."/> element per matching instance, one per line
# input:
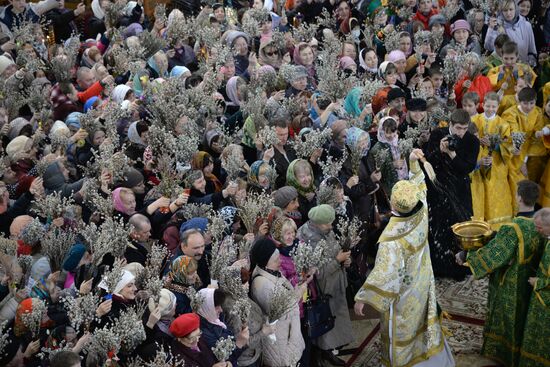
<point x="218" y="184"/>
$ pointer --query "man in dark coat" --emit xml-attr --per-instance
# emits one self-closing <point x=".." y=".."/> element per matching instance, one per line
<point x="453" y="154"/>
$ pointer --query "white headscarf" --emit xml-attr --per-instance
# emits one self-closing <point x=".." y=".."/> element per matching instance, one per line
<point x="133" y="135"/>
<point x="96" y="9"/>
<point x="208" y="309"/>
<point x="119" y="93"/>
<point x="126" y="279"/>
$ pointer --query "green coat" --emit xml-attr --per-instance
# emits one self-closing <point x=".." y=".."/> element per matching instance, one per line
<point x="510" y="259"/>
<point x="535" y="349"/>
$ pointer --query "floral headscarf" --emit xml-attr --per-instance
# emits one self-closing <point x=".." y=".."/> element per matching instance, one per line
<point x="199" y="162"/>
<point x="291" y="179"/>
<point x="181" y="268"/>
<point x="354" y="135"/>
<point x="254" y="173"/>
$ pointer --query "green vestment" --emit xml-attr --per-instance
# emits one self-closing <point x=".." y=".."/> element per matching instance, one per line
<point x="510" y="259"/>
<point x="535" y="349"/>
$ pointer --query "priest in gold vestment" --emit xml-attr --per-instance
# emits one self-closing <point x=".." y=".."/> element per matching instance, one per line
<point x="401" y="286"/>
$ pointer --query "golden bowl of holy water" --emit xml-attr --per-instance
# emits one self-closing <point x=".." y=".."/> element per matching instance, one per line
<point x="472" y="234"/>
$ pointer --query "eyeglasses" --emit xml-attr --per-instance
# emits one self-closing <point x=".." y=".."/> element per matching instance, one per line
<point x="270" y="54"/>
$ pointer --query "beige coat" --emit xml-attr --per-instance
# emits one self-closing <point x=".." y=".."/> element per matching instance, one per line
<point x="289" y="346"/>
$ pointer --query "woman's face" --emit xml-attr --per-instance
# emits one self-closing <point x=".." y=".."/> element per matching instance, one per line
<point x="304" y="179"/>
<point x="307" y="56"/>
<point x="363" y="143"/>
<point x="339" y="193"/>
<point x="401" y="65"/>
<point x="427" y="88"/>
<point x="192" y="277"/>
<point x="391" y="78"/>
<point x="289" y="234"/>
<point x="228" y="70"/>
<point x="70" y="334"/>
<point x="349" y="50"/>
<point x="145" y="137"/>
<point x="461" y="36"/>
<point x="343" y="10"/>
<point x="300" y="83"/>
<point x="129" y="201"/>
<point x="525" y="8"/>
<point x="208" y="169"/>
<point x="509" y="11"/>
<point x="182" y="124"/>
<point x="258" y="4"/>
<point x="381" y="18"/>
<point x="271" y="54"/>
<point x="267" y="26"/>
<point x="391" y="135"/>
<point x="263" y="180"/>
<point x="405" y="44"/>
<point x="417" y="116"/>
<point x="129" y="291"/>
<point x="241" y="46"/>
<point x="162" y="62"/>
<point x="371" y="59"/>
<point x="99" y="137"/>
<point x="200" y="184"/>
<point x="219" y="14"/>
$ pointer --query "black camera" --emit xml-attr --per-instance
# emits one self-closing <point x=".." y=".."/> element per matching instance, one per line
<point x="453" y="142"/>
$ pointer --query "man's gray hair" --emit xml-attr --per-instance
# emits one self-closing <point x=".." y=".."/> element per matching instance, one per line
<point x="543" y="215"/>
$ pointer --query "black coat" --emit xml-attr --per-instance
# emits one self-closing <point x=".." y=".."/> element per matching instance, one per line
<point x="63" y="24"/>
<point x="449" y="199"/>
<point x="281" y="164"/>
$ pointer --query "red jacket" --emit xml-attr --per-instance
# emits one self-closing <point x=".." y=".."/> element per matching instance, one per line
<point x="480" y="84"/>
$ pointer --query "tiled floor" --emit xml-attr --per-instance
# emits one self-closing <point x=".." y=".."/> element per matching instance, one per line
<point x="465" y="300"/>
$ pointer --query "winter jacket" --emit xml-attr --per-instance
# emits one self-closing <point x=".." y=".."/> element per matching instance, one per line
<point x="54" y="181"/>
<point x="289" y="346"/>
<point x="480" y="84"/>
<point x="521" y="32"/>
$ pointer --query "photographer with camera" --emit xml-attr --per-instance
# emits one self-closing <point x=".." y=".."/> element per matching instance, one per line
<point x="453" y="152"/>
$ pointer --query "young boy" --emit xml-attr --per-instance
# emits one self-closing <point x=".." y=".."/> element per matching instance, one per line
<point x="497" y="204"/>
<point x="512" y="99"/>
<point x="470" y="102"/>
<point x="504" y="77"/>
<point x="529" y="158"/>
<point x="495" y="59"/>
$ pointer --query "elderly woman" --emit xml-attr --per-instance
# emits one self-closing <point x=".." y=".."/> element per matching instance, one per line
<point x="265" y="266"/>
<point x="238" y="42"/>
<point x="189" y="345"/>
<point x="122" y="297"/>
<point x="182" y="275"/>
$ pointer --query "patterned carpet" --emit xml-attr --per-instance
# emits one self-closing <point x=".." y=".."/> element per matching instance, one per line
<point x="464" y="301"/>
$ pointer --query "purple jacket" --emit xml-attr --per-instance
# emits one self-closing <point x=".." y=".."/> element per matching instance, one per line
<point x="521" y="32"/>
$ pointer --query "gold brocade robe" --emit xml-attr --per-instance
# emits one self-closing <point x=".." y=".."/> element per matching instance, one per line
<point x="496" y="204"/>
<point x="502" y="74"/>
<point x="401" y="287"/>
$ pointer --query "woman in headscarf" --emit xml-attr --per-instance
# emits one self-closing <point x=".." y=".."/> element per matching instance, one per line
<point x="212" y="326"/>
<point x="141" y="78"/>
<point x="137" y="135"/>
<point x="123" y="296"/>
<point x="392" y="165"/>
<point x="238" y="42"/>
<point x="157" y="330"/>
<point x="182" y="275"/>
<point x="124" y="202"/>
<point x="348" y="65"/>
<point x="56" y="179"/>
<point x="269" y="54"/>
<point x="158" y="65"/>
<point x="84" y="154"/>
<point x="233" y="94"/>
<point x="265" y="266"/>
<point x="387" y="72"/>
<point x="399" y="59"/>
<point x="517" y="28"/>
<point x="96" y="24"/>
<point x="304" y="56"/>
<point x="300" y="176"/>
<point x="204" y="162"/>
<point x="356" y="107"/>
<point x="258" y="179"/>
<point x="122" y="93"/>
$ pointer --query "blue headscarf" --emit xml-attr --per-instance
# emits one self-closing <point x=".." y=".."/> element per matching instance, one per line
<point x="194" y="223"/>
<point x="352" y="102"/>
<point x="72" y="259"/>
<point x="178" y="70"/>
<point x="90" y="103"/>
<point x="73" y="119"/>
<point x="353" y="137"/>
<point x="153" y="64"/>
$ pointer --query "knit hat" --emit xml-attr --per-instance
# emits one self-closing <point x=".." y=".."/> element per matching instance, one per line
<point x="73" y="119"/>
<point x="166" y="303"/>
<point x="283" y="196"/>
<point x="460" y="24"/>
<point x="74" y="256"/>
<point x="5" y="62"/>
<point x="261" y="252"/>
<point x="132" y="178"/>
<point x="395" y="93"/>
<point x="185" y="325"/>
<point x="322" y="214"/>
<point x="194" y="223"/>
<point x="16" y="125"/>
<point x="298" y="72"/>
<point x="404" y="196"/>
<point x="17" y="146"/>
<point x="437" y="19"/>
<point x="416" y="104"/>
